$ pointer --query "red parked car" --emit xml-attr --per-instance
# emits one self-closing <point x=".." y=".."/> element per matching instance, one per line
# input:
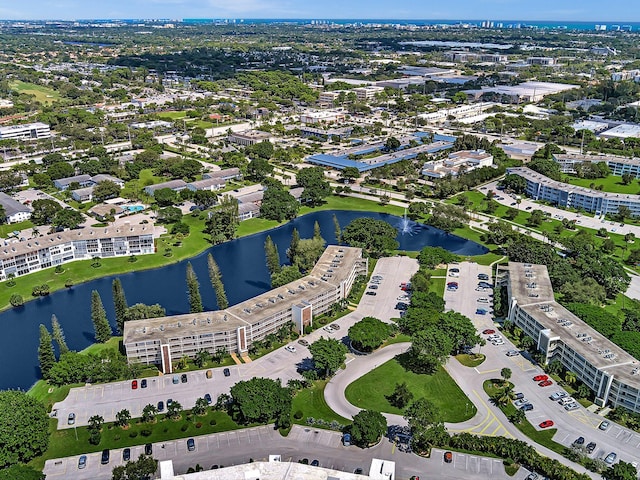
<point x="134" y="384"/>
<point x="546" y="383"/>
<point x="488" y="331"/>
<point x="540" y="378"/>
<point x="546" y="424"/>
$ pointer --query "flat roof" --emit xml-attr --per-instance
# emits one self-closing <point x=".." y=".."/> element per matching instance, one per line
<point x="534" y="176"/>
<point x="341" y="161"/>
<point x="333" y="267"/>
<point x="529" y="279"/>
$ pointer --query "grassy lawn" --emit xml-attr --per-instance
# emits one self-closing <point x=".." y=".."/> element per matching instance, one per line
<point x="611" y="183"/>
<point x="437" y="285"/>
<point x="7" y="229"/>
<point x="41" y="93"/>
<point x="63" y="443"/>
<point x="370" y="391"/>
<point x="311" y="403"/>
<point x="542" y="437"/>
<point x="470" y="360"/>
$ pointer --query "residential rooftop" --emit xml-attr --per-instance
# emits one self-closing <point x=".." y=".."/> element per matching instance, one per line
<point x="529" y="279"/>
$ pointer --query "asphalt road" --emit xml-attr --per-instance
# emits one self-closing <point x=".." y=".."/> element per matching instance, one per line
<point x="570" y="425"/>
<point x="108" y="399"/>
<point x="242" y="446"/>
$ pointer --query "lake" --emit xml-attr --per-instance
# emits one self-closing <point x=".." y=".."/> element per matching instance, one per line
<point x="244" y="273"/>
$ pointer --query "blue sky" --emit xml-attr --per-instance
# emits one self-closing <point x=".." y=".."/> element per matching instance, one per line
<point x="619" y="11"/>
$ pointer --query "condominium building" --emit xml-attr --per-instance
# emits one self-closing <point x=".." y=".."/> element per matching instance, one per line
<point x="618" y="165"/>
<point x="165" y="340"/>
<point x="456" y="113"/>
<point x="565" y="195"/>
<point x="249" y="137"/>
<point x="27" y="131"/>
<point x="610" y="372"/>
<point x="26" y="256"/>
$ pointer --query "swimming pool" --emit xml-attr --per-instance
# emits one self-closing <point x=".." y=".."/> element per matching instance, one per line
<point x="134" y="208"/>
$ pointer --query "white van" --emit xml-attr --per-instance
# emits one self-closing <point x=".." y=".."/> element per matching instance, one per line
<point x="567" y="401"/>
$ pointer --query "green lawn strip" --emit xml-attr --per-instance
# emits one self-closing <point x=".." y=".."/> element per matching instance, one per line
<point x="63" y="443"/>
<point x="6" y="229"/>
<point x="399" y="338"/>
<point x="369" y="391"/>
<point x="471" y="361"/>
<point x="542" y="437"/>
<point x="437" y="285"/>
<point x="311" y="403"/>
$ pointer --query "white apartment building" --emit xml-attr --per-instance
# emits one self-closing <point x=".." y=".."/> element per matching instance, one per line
<point x="457" y="163"/>
<point x="618" y="165"/>
<point x="27" y="131"/>
<point x="23" y="257"/>
<point x="610" y="372"/>
<point x="14" y="211"/>
<point x="167" y="339"/>
<point x="626" y="75"/>
<point x="328" y="98"/>
<point x="565" y="195"/>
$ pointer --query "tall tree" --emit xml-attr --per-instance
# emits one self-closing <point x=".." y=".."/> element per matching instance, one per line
<point x="46" y="356"/>
<point x="272" y="256"/>
<point x="317" y="234"/>
<point x="193" y="290"/>
<point x="368" y="427"/>
<point x="120" y="304"/>
<point x="292" y="251"/>
<point x="328" y="355"/>
<point x="58" y="335"/>
<point x="216" y="283"/>
<point x="142" y="469"/>
<point x="337" y="229"/>
<point x="99" y="318"/>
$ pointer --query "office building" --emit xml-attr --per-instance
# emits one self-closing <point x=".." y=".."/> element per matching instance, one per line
<point x="324" y="116"/>
<point x="249" y="137"/>
<point x="27" y="131"/>
<point x="457" y="163"/>
<point x="364" y="94"/>
<point x="164" y="340"/>
<point x="26" y="256"/>
<point x="565" y="195"/>
<point x="611" y="373"/>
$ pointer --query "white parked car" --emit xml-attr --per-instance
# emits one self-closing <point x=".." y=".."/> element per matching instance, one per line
<point x="498" y="341"/>
<point x="290" y="348"/>
<point x="328" y="329"/>
<point x="483" y="300"/>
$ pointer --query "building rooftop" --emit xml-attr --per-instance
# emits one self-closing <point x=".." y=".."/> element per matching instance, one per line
<point x="11" y="205"/>
<point x="170" y="184"/>
<point x="22" y="126"/>
<point x="11" y="249"/>
<point x="75" y="178"/>
<point x="207" y="182"/>
<point x="328" y="273"/>
<point x="567" y="187"/>
<point x="268" y="471"/>
<point x="531" y="287"/>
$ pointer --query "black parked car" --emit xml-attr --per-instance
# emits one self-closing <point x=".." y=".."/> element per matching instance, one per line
<point x="105" y="457"/>
<point x="126" y="454"/>
<point x="591" y="446"/>
<point x="148" y="449"/>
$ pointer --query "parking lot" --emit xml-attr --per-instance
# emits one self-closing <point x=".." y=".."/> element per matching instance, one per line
<point x="570" y="424"/>
<point x="108" y="399"/>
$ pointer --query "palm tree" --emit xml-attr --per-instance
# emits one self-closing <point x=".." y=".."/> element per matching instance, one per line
<point x="201" y="358"/>
<point x="570" y="377"/>
<point x="505" y="373"/>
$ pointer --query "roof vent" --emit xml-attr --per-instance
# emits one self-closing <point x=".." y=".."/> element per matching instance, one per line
<point x="162" y="328"/>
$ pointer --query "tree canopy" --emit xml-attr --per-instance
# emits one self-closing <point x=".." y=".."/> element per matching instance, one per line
<point x="24" y="428"/>
<point x="369" y="333"/>
<point x="374" y="236"/>
<point x="261" y="400"/>
<point x="328" y="355"/>
<point x="368" y="427"/>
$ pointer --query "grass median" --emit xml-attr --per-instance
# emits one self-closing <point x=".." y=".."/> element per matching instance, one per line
<point x="371" y="391"/>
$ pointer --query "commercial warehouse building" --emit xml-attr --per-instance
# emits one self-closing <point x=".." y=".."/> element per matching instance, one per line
<point x="566" y="195"/>
<point x="610" y="372"/>
<point x="162" y="341"/>
<point x="23" y="257"/>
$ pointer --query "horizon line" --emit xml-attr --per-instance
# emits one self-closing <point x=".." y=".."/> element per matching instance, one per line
<point x="389" y="19"/>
